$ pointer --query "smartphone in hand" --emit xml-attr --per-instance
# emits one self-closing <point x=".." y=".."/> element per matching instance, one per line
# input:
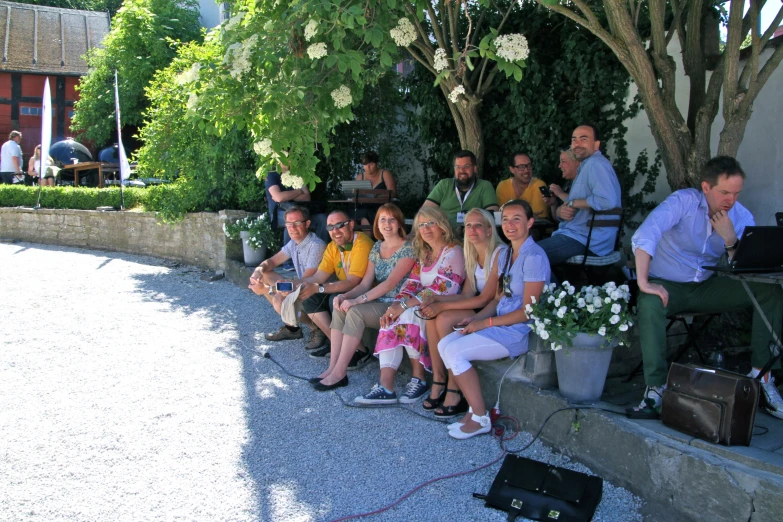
<point x="284" y="286"/>
<point x="545" y="191"/>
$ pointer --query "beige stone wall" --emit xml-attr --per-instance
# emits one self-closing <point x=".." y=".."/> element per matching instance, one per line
<point x="196" y="240"/>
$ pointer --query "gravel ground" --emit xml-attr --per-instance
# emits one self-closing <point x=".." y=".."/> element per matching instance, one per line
<point x="130" y="389"/>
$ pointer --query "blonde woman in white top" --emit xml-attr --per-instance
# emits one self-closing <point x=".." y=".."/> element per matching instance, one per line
<point x="34" y="169"/>
<point x="482" y="246"/>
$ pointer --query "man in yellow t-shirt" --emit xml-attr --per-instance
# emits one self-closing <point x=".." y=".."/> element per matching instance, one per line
<point x="345" y="257"/>
<point x="522" y="185"/>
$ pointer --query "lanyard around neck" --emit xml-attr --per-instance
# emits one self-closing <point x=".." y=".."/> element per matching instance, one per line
<point x="462" y="201"/>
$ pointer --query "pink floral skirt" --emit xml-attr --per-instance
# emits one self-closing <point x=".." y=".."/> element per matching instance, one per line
<point x="407" y="331"/>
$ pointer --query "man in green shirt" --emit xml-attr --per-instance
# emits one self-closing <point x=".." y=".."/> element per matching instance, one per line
<point x="465" y="191"/>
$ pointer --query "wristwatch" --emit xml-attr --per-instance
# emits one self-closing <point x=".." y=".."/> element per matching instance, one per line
<point x="364" y="297"/>
<point x="321" y="289"/>
<point x="732" y="247"/>
<point x="570" y="203"/>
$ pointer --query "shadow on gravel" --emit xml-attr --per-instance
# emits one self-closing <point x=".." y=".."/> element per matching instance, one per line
<point x="287" y="454"/>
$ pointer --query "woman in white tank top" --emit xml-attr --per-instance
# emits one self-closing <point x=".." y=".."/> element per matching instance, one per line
<point x="482" y="246"/>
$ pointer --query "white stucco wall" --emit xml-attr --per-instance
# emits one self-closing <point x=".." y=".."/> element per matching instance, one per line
<point x="761" y="152"/>
<point x="210" y="13"/>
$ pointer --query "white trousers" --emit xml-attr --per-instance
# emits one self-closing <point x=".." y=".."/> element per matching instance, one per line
<point x="458" y="350"/>
<point x="393" y="358"/>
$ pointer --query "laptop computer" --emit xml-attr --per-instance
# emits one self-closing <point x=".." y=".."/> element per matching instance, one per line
<point x="760" y="250"/>
<point x="349" y="187"/>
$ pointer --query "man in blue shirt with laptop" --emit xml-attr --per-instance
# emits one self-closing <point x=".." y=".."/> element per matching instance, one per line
<point x="690" y="230"/>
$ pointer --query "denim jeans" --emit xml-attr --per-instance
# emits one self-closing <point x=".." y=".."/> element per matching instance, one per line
<point x="560" y="248"/>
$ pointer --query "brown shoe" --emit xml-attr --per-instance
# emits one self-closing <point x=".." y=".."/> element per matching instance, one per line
<point x="284" y="334"/>
<point x="316" y="340"/>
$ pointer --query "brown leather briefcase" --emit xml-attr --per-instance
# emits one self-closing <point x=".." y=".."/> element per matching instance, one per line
<point x="714" y="405"/>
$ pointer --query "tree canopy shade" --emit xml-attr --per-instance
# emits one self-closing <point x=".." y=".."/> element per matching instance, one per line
<point x="143" y="39"/>
<point x="639" y="34"/>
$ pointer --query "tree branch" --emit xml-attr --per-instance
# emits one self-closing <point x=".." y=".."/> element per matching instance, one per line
<point x="762" y="44"/>
<point x="422" y="59"/>
<point x="452" y="18"/>
<point x="731" y="54"/>
<point x="676" y="25"/>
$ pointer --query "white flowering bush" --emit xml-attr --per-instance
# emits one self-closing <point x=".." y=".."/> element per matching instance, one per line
<point x="259" y="229"/>
<point x="342" y="97"/>
<point x="263" y="147"/>
<point x="404" y="34"/>
<point x="291" y="180"/>
<point x="440" y="61"/>
<point x="458" y="91"/>
<point x="561" y="312"/>
<point x="316" y="51"/>
<point x="190" y="75"/>
<point x="311" y="29"/>
<point x="512" y="47"/>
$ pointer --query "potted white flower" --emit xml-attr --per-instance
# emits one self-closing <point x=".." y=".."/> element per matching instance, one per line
<point x="582" y="327"/>
<point x="257" y="237"/>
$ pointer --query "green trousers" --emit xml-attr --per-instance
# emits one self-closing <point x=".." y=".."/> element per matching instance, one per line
<point x="716" y="294"/>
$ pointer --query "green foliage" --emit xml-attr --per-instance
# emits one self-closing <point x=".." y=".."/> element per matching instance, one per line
<point x="259" y="229"/>
<point x="211" y="172"/>
<point x="77" y="198"/>
<point x="143" y="39"/>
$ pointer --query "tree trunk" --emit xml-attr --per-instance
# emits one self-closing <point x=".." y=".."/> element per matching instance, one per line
<point x="468" y="122"/>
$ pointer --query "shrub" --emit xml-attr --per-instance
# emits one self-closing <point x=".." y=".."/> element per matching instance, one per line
<point x="77" y="198"/>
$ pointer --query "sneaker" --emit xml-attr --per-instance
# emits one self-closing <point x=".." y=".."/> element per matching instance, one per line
<point x="359" y="359"/>
<point x="316" y="340"/>
<point x="414" y="391"/>
<point x="326" y="351"/>
<point x="284" y="334"/>
<point x="650" y="407"/>
<point x="771" y="401"/>
<point x="378" y="395"/>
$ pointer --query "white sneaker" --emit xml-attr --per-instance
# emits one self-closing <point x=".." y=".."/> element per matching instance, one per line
<point x="771" y="401"/>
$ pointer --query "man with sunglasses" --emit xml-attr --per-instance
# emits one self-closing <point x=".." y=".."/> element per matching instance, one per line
<point x="465" y="191"/>
<point x="522" y="185"/>
<point x="345" y="259"/>
<point x="305" y="249"/>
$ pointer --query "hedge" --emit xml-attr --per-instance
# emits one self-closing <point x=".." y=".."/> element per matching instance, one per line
<point x="77" y="198"/>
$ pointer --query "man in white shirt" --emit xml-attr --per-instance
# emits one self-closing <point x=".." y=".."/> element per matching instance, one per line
<point x="11" y="158"/>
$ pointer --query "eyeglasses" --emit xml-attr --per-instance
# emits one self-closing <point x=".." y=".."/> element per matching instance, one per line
<point x="336" y="226"/>
<point x="463" y="167"/>
<point x="426" y="224"/>
<point x="469" y="226"/>
<point x="504" y="280"/>
<point x="294" y="224"/>
<point x="523" y="166"/>
<point x="418" y="314"/>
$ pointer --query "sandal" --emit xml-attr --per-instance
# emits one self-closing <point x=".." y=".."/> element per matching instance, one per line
<point x="431" y="403"/>
<point x="446" y="412"/>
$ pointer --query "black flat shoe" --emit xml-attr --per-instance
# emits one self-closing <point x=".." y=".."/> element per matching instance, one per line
<point x="327" y="387"/>
<point x="314" y="380"/>
<point x="431" y="403"/>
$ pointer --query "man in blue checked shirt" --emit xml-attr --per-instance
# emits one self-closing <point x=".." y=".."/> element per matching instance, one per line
<point x="692" y="229"/>
<point x="596" y="187"/>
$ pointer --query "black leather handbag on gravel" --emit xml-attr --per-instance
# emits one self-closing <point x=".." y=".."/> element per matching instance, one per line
<point x="710" y="404"/>
<point x="538" y="491"/>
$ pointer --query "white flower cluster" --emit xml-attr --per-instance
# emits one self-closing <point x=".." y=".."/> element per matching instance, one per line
<point x="441" y="61"/>
<point x="342" y="97"/>
<point x="192" y="102"/>
<point x="263" y="147"/>
<point x="291" y="180"/>
<point x="239" y="54"/>
<point x="512" y="47"/>
<point x="563" y="311"/>
<point x="455" y="94"/>
<point x="189" y="76"/>
<point x="234" y="21"/>
<point x="404" y="34"/>
<point x="311" y="29"/>
<point x="316" y="51"/>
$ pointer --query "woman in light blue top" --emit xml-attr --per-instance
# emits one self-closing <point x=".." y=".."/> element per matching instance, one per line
<point x="501" y="328"/>
<point x="390" y="261"/>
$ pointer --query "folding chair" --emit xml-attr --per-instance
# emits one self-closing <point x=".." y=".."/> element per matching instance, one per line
<point x="585" y="262"/>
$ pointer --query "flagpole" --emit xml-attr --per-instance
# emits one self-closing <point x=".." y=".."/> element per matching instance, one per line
<point x="124" y="165"/>
<point x="46" y="138"/>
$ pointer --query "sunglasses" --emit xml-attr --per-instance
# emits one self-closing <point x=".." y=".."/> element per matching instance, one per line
<point x="336" y="226"/>
<point x="504" y="280"/>
<point x="292" y="224"/>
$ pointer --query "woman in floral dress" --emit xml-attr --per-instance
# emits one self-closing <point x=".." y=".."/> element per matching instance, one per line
<point x="439" y="269"/>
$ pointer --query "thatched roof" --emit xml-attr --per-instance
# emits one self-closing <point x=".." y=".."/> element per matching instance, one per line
<point x="48" y="40"/>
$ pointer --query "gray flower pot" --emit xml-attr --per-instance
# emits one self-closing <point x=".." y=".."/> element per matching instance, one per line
<point x="253" y="256"/>
<point x="582" y="368"/>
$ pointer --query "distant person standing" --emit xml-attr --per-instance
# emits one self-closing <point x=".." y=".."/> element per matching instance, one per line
<point x="11" y="158"/>
<point x="34" y="170"/>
